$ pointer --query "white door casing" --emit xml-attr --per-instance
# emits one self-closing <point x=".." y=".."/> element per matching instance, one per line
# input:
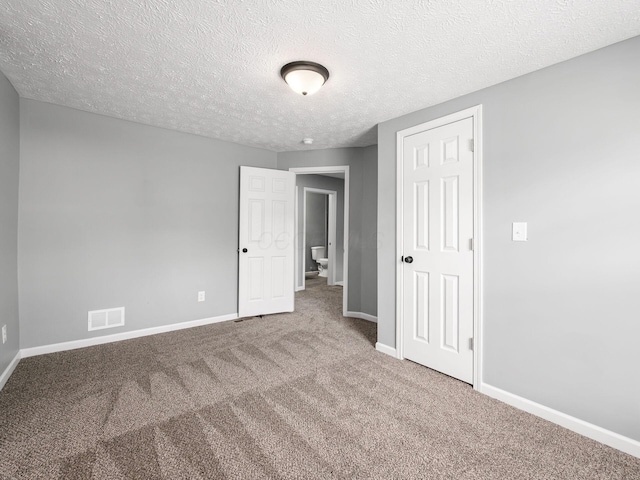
<point x="266" y="242"/>
<point x="438" y="226"/>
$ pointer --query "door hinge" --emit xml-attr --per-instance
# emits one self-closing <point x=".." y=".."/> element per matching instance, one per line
<point x="471" y="344"/>
<point x="471" y="244"/>
<point x="472" y="145"/>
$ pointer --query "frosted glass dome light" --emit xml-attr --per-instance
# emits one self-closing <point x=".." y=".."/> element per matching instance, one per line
<point x="304" y="78"/>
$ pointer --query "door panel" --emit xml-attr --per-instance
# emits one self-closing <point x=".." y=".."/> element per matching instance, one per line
<point x="278" y="277"/>
<point x="256" y="219"/>
<point x="438" y="226"/>
<point x="449" y="214"/>
<point x="450" y="316"/>
<point x="421" y="220"/>
<point x="422" y="306"/>
<point x="265" y="278"/>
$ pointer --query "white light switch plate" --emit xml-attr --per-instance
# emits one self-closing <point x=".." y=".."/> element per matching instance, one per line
<point x="201" y="296"/>
<point x="519" y="232"/>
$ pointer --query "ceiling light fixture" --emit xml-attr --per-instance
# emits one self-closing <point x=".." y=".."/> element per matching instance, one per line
<point x="303" y="77"/>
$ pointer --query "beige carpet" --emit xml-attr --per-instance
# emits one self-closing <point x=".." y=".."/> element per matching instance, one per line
<point x="301" y="395"/>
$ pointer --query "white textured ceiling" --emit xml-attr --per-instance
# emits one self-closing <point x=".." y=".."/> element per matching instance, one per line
<point x="211" y="67"/>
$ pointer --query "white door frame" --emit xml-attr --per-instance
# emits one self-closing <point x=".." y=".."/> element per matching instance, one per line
<point x="476" y="114"/>
<point x="332" y="196"/>
<point x="345" y="261"/>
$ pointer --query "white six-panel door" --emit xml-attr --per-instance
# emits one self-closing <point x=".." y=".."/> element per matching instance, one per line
<point x="437" y="272"/>
<point x="266" y="247"/>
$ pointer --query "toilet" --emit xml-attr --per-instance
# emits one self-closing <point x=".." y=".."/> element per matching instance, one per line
<point x="318" y="255"/>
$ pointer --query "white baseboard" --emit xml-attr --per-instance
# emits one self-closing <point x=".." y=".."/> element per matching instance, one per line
<point x="116" y="337"/>
<point x="298" y="289"/>
<point x="9" y="370"/>
<point x="340" y="283"/>
<point x="363" y="316"/>
<point x="381" y="347"/>
<point x="599" y="434"/>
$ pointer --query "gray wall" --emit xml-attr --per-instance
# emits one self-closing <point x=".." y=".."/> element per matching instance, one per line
<point x="326" y="183"/>
<point x="316" y="226"/>
<point x="359" y="160"/>
<point x="369" y="231"/>
<point x="561" y="311"/>
<point x="115" y="213"/>
<point x="9" y="170"/>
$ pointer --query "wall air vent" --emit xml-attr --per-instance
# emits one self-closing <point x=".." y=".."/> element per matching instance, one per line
<point x="109" y="318"/>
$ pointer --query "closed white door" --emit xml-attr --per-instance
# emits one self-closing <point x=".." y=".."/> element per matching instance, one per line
<point x="266" y="248"/>
<point x="437" y="258"/>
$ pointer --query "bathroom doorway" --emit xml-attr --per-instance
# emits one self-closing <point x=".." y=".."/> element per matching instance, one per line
<point x="331" y="175"/>
<point x="319" y="233"/>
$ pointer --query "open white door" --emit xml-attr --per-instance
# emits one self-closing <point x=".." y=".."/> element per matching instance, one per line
<point x="266" y="270"/>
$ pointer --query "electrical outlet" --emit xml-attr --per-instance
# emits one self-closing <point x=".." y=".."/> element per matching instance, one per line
<point x="201" y="296"/>
<point x="4" y="334"/>
<point x="519" y="233"/>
